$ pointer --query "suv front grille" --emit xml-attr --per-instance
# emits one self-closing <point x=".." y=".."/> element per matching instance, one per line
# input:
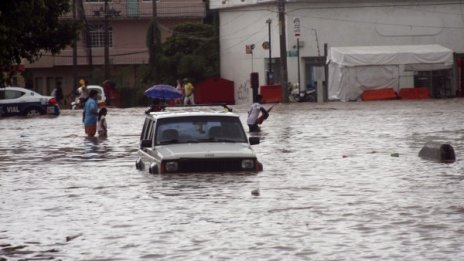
<point x="211" y="165"/>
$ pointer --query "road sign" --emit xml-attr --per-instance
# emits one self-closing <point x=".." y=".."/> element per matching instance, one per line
<point x="297" y="27"/>
<point x="266" y="45"/>
<point x="292" y="53"/>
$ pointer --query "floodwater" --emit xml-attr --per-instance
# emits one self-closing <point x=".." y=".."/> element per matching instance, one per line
<point x="341" y="181"/>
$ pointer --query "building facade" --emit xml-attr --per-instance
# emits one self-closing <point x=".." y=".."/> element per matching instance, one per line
<point x="128" y="22"/>
<point x="335" y="23"/>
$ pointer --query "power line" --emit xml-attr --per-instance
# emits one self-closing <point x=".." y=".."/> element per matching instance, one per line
<point x="350" y="6"/>
<point x="247" y="38"/>
<point x="238" y="30"/>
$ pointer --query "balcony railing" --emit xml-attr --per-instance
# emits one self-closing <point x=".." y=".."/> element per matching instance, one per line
<point x="124" y="9"/>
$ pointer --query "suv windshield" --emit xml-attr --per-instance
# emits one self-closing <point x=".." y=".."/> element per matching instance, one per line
<point x="195" y="129"/>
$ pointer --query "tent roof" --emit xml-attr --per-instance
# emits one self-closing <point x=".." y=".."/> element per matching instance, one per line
<point x="390" y="55"/>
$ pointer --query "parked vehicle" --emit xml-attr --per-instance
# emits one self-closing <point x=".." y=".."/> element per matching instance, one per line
<point x="195" y="139"/>
<point x="295" y="95"/>
<point x="17" y="101"/>
<point x="101" y="98"/>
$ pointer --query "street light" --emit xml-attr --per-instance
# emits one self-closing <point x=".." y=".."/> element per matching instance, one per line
<point x="269" y="73"/>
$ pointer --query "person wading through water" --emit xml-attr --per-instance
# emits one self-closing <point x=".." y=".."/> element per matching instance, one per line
<point x="253" y="114"/>
<point x="90" y="114"/>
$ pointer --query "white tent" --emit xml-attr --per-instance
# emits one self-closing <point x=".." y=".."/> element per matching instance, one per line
<point x="355" y="69"/>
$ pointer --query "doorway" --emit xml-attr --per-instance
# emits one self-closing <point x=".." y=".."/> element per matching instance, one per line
<point x="315" y="76"/>
<point x="459" y="74"/>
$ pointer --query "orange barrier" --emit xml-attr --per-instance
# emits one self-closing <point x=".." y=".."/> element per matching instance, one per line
<point x="379" y="94"/>
<point x="271" y="93"/>
<point x="414" y="93"/>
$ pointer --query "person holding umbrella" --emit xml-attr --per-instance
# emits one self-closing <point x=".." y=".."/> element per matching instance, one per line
<point x="157" y="105"/>
<point x="161" y="93"/>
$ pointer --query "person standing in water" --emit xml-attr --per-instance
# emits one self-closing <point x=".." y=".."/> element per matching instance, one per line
<point x="102" y="128"/>
<point x="90" y="114"/>
<point x="253" y="114"/>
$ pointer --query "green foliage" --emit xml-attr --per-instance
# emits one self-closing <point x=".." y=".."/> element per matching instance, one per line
<point x="133" y="97"/>
<point x="30" y="27"/>
<point x="191" y="52"/>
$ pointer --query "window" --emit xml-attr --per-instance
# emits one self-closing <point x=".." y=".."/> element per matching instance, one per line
<point x="96" y="1"/>
<point x="147" y="131"/>
<point x="10" y="94"/>
<point x="199" y="129"/>
<point x="97" y="35"/>
<point x="39" y="85"/>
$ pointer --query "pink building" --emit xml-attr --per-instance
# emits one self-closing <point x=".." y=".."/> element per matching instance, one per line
<point x="128" y="22"/>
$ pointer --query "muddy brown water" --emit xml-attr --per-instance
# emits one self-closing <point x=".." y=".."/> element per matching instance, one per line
<point x="341" y="181"/>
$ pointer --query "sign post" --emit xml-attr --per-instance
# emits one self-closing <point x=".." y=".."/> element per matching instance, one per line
<point x="249" y="50"/>
<point x="297" y="32"/>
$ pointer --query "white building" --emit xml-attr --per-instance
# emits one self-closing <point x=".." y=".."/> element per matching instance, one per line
<point x="337" y="23"/>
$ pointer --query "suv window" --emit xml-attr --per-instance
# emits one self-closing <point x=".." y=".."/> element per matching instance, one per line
<point x="199" y="129"/>
<point x="147" y="131"/>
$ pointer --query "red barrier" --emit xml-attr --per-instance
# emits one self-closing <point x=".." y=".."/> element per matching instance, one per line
<point x="379" y="94"/>
<point x="271" y="93"/>
<point x="215" y="90"/>
<point x="414" y="93"/>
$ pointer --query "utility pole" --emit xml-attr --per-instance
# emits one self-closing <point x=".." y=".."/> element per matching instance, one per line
<point x="155" y="20"/>
<point x="269" y="71"/>
<point x="283" y="52"/>
<point x="107" y="42"/>
<point x="74" y="47"/>
<point x="154" y="47"/>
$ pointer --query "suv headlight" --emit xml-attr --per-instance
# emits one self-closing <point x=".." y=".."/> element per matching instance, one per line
<point x="171" y="166"/>
<point x="248" y="164"/>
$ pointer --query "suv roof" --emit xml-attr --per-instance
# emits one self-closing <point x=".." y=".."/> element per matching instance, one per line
<point x="193" y="110"/>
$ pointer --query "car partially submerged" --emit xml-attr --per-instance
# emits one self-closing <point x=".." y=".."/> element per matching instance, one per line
<point x="196" y="139"/>
<point x="18" y="101"/>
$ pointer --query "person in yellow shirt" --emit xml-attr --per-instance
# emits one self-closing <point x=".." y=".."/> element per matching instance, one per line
<point x="188" y="93"/>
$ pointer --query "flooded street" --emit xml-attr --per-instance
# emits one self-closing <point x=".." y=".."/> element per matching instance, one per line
<point x="341" y="181"/>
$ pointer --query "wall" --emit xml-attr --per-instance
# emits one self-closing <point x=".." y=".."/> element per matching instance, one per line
<point x="337" y="23"/>
<point x="238" y="29"/>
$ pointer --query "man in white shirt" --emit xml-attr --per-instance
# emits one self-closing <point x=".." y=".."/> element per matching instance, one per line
<point x="253" y="114"/>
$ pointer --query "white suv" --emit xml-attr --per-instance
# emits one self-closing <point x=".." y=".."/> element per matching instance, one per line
<point x="196" y="139"/>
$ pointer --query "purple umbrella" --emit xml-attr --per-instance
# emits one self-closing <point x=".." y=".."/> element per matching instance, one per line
<point x="163" y="91"/>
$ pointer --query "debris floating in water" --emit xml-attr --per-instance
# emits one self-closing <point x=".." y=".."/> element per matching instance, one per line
<point x="438" y="152"/>
<point x="69" y="238"/>
<point x="255" y="192"/>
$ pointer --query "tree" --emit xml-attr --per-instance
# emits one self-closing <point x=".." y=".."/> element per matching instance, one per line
<point x="29" y="28"/>
<point x="191" y="52"/>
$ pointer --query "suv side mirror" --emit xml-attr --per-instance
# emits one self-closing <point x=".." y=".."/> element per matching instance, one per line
<point x="145" y="143"/>
<point x="253" y="140"/>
